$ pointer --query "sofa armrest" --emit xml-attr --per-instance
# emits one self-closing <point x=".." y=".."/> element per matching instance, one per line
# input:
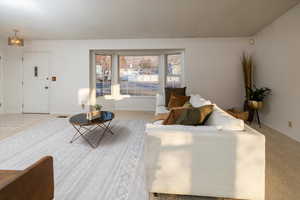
<point x="228" y="122"/>
<point x="220" y="164"/>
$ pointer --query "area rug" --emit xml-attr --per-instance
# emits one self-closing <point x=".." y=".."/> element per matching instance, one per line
<point x="113" y="171"/>
<point x="180" y="197"/>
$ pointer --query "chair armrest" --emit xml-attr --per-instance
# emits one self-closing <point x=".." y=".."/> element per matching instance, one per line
<point x="7" y="176"/>
<point x="34" y="183"/>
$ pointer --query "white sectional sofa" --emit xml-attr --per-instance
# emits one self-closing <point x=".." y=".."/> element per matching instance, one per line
<point x="224" y="158"/>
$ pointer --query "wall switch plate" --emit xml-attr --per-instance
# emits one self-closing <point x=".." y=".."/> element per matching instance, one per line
<point x="290" y="123"/>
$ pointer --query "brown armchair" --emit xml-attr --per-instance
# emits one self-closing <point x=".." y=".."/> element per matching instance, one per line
<point x="34" y="183"/>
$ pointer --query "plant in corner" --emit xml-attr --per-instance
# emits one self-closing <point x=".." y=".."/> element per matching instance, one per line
<point x="248" y="66"/>
<point x="256" y="96"/>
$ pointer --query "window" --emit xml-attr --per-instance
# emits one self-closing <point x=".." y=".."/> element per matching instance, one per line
<point x="103" y="74"/>
<point x="136" y="72"/>
<point x="139" y="75"/>
<point x="174" y="70"/>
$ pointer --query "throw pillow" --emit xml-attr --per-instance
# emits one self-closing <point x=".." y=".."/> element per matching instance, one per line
<point x="195" y="116"/>
<point x="173" y="116"/>
<point x="161" y="116"/>
<point x="176" y="91"/>
<point x="187" y="105"/>
<point x="177" y="101"/>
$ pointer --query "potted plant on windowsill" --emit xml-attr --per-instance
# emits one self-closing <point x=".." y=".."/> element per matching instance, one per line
<point x="98" y="107"/>
<point x="95" y="113"/>
<point x="256" y="97"/>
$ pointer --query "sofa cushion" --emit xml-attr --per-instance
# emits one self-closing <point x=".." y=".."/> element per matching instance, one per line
<point x="176" y="91"/>
<point x="177" y="101"/>
<point x="221" y="118"/>
<point x="197" y="101"/>
<point x="199" y="129"/>
<point x="159" y="122"/>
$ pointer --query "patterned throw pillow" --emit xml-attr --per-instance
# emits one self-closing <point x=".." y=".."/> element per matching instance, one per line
<point x="195" y="116"/>
<point x="176" y="91"/>
<point x="177" y="101"/>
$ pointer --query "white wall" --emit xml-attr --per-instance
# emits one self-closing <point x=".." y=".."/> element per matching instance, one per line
<point x="212" y="70"/>
<point x="12" y="80"/>
<point x="2" y="46"/>
<point x="277" y="57"/>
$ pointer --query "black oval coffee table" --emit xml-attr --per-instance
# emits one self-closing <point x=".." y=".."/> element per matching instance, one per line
<point x="83" y="126"/>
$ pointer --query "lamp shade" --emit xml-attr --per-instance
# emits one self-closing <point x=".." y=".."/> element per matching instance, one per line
<point x="15" y="40"/>
<point x="83" y="96"/>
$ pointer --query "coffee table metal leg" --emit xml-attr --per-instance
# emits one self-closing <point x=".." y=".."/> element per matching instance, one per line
<point x="79" y="133"/>
<point x="107" y="127"/>
<point x="82" y="134"/>
<point x="73" y="138"/>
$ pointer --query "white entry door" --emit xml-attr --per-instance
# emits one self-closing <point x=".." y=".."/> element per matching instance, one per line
<point x="36" y="83"/>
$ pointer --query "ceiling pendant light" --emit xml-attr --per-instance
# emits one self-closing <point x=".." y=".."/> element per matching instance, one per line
<point x="15" y="40"/>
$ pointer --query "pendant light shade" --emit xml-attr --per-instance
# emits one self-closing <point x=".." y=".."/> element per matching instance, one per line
<point x="15" y="40"/>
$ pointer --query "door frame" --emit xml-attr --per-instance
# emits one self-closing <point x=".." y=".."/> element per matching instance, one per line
<point x="22" y="81"/>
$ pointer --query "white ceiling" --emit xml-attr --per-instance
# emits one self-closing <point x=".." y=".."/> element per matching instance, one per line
<point x="97" y="19"/>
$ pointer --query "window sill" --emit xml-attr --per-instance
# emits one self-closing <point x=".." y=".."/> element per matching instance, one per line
<point x="122" y="97"/>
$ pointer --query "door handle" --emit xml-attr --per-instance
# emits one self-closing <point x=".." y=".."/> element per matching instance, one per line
<point x="46" y="87"/>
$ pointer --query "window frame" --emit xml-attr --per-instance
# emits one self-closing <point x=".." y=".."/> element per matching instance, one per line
<point x="112" y="60"/>
<point x="182" y="82"/>
<point x="162" y="68"/>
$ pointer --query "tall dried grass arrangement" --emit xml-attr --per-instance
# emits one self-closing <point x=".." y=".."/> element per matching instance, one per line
<point x="247" y="64"/>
